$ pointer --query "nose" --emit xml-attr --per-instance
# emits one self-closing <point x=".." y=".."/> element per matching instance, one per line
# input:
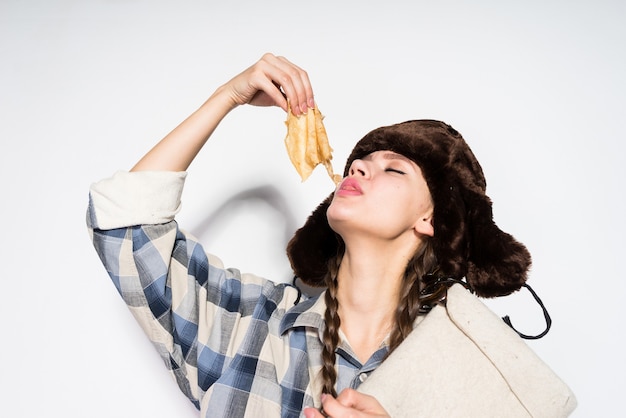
<point x="358" y="168"/>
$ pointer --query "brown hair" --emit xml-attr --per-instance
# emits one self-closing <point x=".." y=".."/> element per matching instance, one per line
<point x="408" y="309"/>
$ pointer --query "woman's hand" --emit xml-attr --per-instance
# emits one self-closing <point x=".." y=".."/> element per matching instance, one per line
<point x="270" y="82"/>
<point x="349" y="403"/>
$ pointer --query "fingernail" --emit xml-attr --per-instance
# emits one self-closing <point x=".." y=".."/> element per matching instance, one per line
<point x="311" y="103"/>
<point x="324" y="397"/>
<point x="304" y="108"/>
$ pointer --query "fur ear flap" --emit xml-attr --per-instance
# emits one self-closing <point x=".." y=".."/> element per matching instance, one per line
<point x="497" y="262"/>
<point x="498" y="266"/>
<point x="312" y="245"/>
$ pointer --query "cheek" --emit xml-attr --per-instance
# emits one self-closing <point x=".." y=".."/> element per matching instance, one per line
<point x="416" y="206"/>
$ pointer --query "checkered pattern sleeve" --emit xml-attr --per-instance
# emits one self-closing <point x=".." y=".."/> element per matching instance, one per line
<point x="195" y="312"/>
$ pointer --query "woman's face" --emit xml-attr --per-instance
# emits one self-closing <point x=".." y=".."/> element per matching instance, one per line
<point x="384" y="197"/>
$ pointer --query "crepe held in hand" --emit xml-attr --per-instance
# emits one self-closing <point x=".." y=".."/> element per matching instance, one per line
<point x="307" y="144"/>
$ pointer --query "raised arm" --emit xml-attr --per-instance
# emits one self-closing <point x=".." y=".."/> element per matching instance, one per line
<point x="178" y="294"/>
<point x="271" y="81"/>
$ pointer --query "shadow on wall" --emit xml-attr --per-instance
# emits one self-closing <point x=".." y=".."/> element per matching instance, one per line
<point x="264" y="194"/>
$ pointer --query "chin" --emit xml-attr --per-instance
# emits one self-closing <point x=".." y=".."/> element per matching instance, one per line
<point x="336" y="215"/>
<point x="339" y="224"/>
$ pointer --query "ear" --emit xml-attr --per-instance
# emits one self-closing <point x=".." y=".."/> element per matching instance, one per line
<point x="424" y="225"/>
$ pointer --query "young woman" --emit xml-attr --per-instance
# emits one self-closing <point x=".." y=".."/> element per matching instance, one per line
<point x="411" y="208"/>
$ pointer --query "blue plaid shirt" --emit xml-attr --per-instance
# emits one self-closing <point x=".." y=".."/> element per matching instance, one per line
<point x="238" y="345"/>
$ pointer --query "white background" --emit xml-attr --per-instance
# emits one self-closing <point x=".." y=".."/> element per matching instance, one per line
<point x="86" y="87"/>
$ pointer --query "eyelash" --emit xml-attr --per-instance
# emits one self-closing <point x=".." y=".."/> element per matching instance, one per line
<point x="395" y="170"/>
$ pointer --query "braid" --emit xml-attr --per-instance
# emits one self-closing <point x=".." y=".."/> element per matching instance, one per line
<point x="409" y="302"/>
<point x="408" y="309"/>
<point x="331" y="332"/>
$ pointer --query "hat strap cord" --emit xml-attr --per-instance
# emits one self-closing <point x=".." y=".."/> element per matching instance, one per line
<point x="435" y="292"/>
<point x="546" y="316"/>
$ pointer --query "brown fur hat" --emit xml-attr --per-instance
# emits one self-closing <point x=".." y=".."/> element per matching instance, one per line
<point x="467" y="243"/>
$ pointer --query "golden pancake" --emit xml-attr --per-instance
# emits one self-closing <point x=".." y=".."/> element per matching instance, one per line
<point x="307" y="144"/>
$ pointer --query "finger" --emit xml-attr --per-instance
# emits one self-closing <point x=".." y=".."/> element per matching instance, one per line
<point x="293" y="80"/>
<point x="312" y="413"/>
<point x="350" y="398"/>
<point x="272" y="90"/>
<point x="333" y="408"/>
<point x="255" y="86"/>
<point x="281" y="90"/>
<point x="307" y="101"/>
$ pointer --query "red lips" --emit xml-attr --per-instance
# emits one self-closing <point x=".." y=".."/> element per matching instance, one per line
<point x="349" y="187"/>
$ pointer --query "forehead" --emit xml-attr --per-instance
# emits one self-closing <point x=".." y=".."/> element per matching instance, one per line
<point x="388" y="155"/>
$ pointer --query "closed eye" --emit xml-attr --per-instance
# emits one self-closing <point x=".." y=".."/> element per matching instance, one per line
<point x="394" y="170"/>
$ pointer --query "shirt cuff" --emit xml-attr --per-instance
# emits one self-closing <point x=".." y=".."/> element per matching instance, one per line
<point x="135" y="198"/>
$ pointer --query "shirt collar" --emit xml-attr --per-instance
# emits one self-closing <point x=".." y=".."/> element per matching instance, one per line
<point x="309" y="313"/>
